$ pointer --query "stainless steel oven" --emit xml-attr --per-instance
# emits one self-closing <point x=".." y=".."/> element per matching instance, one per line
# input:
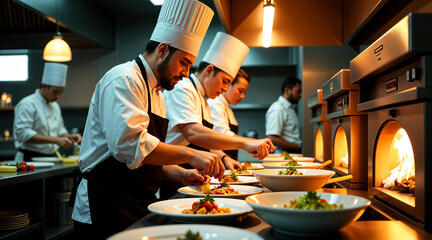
<point x="394" y="75"/>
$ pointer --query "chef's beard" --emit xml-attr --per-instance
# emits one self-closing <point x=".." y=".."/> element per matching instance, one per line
<point x="165" y="79"/>
<point x="291" y="99"/>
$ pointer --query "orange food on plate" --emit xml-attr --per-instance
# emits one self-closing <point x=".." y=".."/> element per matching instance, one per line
<point x="247" y="164"/>
<point x="231" y="178"/>
<point x="242" y="170"/>
<point x="206" y="205"/>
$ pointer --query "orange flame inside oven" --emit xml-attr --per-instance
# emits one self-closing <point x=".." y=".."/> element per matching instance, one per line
<point x="406" y="167"/>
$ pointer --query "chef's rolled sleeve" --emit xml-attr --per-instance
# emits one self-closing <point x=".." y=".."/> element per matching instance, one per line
<point x="23" y="123"/>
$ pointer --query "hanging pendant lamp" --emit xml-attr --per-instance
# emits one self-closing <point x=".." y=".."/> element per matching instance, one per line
<point x="57" y="50"/>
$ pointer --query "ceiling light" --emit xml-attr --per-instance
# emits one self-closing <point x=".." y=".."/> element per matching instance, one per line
<point x="268" y="16"/>
<point x="57" y="50"/>
<point x="157" y="2"/>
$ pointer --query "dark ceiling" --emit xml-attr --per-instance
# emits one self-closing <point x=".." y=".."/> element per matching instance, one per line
<point x="23" y="28"/>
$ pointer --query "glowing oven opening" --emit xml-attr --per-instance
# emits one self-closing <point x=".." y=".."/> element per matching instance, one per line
<point x="340" y="150"/>
<point x="319" y="145"/>
<point x="394" y="163"/>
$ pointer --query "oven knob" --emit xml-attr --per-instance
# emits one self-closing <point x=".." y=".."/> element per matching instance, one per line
<point x="415" y="74"/>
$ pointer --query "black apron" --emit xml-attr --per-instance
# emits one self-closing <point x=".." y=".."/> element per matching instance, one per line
<point x="118" y="196"/>
<point x="234" y="128"/>
<point x="168" y="188"/>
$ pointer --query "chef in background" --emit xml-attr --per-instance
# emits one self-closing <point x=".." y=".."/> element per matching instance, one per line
<point x="282" y="124"/>
<point x="123" y="156"/>
<point x="222" y="116"/>
<point x="189" y="113"/>
<point x="38" y="124"/>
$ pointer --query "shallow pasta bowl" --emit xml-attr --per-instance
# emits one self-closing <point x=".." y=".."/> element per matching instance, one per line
<point x="270" y="208"/>
<point x="312" y="179"/>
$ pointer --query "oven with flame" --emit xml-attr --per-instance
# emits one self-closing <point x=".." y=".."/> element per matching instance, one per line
<point x="322" y="126"/>
<point x="348" y="129"/>
<point x="395" y="87"/>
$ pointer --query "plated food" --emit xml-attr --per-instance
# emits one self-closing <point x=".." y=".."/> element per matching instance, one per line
<point x="173" y="209"/>
<point x="310" y="179"/>
<point x="300" y="165"/>
<point x="312" y="201"/>
<point x="175" y="231"/>
<point x="206" y="205"/>
<point x="230" y="178"/>
<point x="252" y="166"/>
<point x="289" y="171"/>
<point x="270" y="207"/>
<point x="242" y="180"/>
<point x="239" y="191"/>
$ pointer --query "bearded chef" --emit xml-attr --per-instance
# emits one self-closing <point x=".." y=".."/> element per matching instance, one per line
<point x="222" y="115"/>
<point x="123" y="156"/>
<point x="39" y="129"/>
<point x="189" y="113"/>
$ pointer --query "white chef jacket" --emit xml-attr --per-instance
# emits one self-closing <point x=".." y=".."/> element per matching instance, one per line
<point x="222" y="115"/>
<point x="282" y="120"/>
<point x="117" y="124"/>
<point x="34" y="115"/>
<point x="185" y="105"/>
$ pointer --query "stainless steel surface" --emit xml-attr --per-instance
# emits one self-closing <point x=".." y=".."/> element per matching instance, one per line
<point x="410" y="36"/>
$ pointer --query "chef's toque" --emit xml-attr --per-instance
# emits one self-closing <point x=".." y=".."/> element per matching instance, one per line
<point x="226" y="53"/>
<point x="54" y="74"/>
<point x="182" y="24"/>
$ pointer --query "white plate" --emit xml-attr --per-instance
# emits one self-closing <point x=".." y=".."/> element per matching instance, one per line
<point x="166" y="232"/>
<point x="173" y="209"/>
<point x="255" y="166"/>
<point x="244" y="181"/>
<point x="46" y="159"/>
<point x="41" y="164"/>
<point x="228" y="172"/>
<point x="278" y="165"/>
<point x="244" y="191"/>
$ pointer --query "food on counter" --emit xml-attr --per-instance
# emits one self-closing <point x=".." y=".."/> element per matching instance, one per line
<point x="292" y="163"/>
<point x="206" y="205"/>
<point x="22" y="166"/>
<point x="289" y="171"/>
<point x="190" y="236"/>
<point x="242" y="170"/>
<point x="222" y="189"/>
<point x="287" y="156"/>
<point x="205" y="188"/>
<point x="231" y="178"/>
<point x="311" y="201"/>
<point x="247" y="164"/>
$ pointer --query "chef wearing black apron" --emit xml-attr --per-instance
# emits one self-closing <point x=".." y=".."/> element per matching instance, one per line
<point x="116" y="203"/>
<point x="126" y="124"/>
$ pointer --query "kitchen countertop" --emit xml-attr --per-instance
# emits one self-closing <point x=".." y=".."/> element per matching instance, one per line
<point x="362" y="229"/>
<point x="39" y="173"/>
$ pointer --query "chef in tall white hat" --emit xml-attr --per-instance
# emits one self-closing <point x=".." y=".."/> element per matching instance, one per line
<point x="189" y="113"/>
<point x="123" y="156"/>
<point x="38" y="124"/>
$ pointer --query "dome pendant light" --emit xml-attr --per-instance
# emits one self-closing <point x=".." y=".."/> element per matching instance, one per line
<point x="57" y="50"/>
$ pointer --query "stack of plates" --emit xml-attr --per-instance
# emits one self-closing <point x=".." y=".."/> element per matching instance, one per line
<point x="10" y="220"/>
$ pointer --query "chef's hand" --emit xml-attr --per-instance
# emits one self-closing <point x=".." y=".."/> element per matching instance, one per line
<point x="208" y="164"/>
<point x="64" y="142"/>
<point x="75" y="137"/>
<point x="231" y="164"/>
<point x="193" y="177"/>
<point x="259" y="148"/>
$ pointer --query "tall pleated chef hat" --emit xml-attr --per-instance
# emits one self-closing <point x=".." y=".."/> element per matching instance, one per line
<point x="226" y="53"/>
<point x="54" y="74"/>
<point x="182" y="24"/>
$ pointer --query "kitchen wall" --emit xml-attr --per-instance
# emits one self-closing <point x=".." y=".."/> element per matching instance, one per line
<point x="319" y="65"/>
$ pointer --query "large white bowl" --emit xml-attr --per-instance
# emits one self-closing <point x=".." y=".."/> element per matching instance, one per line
<point x="269" y="207"/>
<point x="312" y="179"/>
